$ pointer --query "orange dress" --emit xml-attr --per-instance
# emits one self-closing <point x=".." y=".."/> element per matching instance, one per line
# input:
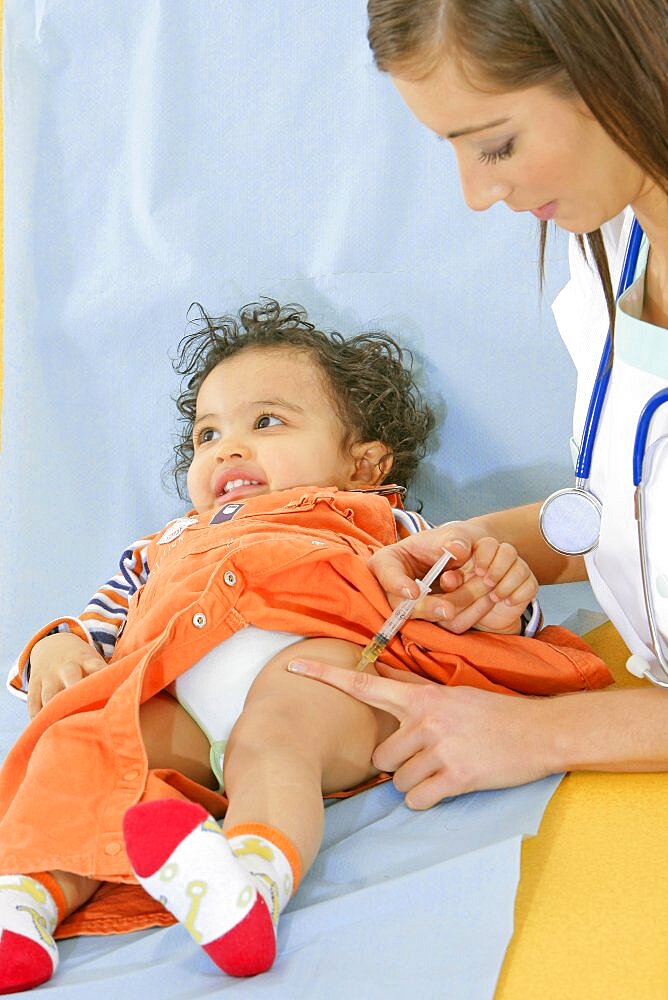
<point x="292" y="561"/>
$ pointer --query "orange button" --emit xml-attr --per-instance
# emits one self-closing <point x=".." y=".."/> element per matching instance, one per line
<point x="113" y="848"/>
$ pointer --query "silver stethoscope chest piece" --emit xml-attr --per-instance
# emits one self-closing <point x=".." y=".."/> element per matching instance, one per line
<point x="570" y="520"/>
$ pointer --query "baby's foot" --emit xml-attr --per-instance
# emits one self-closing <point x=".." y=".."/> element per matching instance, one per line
<point x="28" y="918"/>
<point x="182" y="858"/>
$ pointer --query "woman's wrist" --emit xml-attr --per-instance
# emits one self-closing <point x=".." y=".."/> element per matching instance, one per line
<point x="624" y="730"/>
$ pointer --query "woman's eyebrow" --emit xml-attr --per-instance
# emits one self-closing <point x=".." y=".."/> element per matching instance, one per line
<point x="475" y="128"/>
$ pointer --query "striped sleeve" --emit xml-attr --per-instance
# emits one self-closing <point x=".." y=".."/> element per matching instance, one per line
<point x="409" y="522"/>
<point x="105" y="614"/>
<point x="101" y="620"/>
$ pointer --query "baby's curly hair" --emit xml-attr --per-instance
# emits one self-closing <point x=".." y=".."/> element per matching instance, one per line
<point x="369" y="379"/>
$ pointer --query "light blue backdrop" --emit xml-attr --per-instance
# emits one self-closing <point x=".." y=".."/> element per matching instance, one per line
<point x="217" y="150"/>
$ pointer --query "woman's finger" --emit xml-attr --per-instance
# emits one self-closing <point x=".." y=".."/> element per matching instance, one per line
<point x="451" y="579"/>
<point x="396" y="567"/>
<point x="459" y="621"/>
<point x="389" y="695"/>
<point x="429" y="792"/>
<point x="396" y="752"/>
<point x="403" y="676"/>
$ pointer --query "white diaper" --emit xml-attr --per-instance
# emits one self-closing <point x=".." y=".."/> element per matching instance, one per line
<point x="214" y="690"/>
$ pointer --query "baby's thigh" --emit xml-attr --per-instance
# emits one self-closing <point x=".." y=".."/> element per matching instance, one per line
<point x="173" y="740"/>
<point x="319" y="720"/>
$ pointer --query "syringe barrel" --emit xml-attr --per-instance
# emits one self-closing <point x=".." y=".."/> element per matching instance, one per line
<point x="399" y="616"/>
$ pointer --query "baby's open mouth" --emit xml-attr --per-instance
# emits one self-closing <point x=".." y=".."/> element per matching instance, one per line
<point x="235" y="484"/>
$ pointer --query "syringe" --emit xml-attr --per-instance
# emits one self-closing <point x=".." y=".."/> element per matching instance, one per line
<point x="401" y="614"/>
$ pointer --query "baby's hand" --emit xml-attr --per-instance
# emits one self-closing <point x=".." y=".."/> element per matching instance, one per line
<point x="496" y="582"/>
<point x="57" y="662"/>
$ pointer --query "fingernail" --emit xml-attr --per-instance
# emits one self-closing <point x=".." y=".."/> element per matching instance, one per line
<point x="488" y="582"/>
<point x="494" y="598"/>
<point x="296" y="667"/>
<point x="408" y="593"/>
<point x="442" y="612"/>
<point x="458" y="541"/>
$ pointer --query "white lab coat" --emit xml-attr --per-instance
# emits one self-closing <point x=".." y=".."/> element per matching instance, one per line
<point x="640" y="369"/>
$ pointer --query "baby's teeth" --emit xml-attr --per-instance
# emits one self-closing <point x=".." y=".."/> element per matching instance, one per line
<point x="234" y="484"/>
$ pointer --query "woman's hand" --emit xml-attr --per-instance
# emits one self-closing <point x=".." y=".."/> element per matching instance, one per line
<point x="489" y="588"/>
<point x="450" y="740"/>
<point x="56" y="662"/>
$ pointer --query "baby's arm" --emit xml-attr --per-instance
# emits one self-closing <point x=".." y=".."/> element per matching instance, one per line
<point x="89" y="639"/>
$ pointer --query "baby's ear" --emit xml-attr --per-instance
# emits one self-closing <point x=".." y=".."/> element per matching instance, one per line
<point x="372" y="463"/>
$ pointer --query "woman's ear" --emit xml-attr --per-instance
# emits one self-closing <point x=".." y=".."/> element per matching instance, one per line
<point x="372" y="461"/>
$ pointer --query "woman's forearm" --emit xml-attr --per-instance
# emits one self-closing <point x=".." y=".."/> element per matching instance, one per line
<point x="519" y="526"/>
<point x="608" y="730"/>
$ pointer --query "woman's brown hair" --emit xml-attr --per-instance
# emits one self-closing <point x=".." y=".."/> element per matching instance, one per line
<point x="612" y="53"/>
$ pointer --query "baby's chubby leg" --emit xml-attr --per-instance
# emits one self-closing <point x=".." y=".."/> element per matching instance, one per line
<point x="289" y="745"/>
<point x="292" y="744"/>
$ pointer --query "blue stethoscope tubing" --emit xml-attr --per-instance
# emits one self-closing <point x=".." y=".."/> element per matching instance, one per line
<point x="583" y="465"/>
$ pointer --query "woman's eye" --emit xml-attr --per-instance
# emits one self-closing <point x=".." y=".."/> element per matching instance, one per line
<point x="267" y="420"/>
<point x="498" y="154"/>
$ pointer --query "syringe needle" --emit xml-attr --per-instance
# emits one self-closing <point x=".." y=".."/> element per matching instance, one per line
<point x="401" y="614"/>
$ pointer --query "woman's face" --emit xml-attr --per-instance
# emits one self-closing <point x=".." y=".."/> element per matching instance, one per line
<point x="533" y="149"/>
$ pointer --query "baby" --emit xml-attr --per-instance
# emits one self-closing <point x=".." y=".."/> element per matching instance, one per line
<point x="173" y="683"/>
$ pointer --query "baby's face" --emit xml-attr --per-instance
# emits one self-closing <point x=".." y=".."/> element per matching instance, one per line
<point x="265" y="422"/>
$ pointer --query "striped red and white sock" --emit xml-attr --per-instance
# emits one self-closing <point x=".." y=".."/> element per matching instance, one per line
<point x="226" y="889"/>
<point x="29" y="914"/>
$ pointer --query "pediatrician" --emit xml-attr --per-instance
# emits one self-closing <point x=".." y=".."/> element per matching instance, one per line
<point x="558" y="108"/>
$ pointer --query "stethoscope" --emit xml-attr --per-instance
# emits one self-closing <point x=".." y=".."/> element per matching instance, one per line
<point x="570" y="519"/>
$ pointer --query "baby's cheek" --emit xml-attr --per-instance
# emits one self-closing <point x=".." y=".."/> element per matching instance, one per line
<point x="194" y="484"/>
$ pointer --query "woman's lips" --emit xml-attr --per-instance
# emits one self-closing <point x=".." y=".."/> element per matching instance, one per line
<point x="545" y="212"/>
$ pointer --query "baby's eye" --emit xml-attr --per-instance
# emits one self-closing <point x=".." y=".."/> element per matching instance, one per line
<point x="267" y="420"/>
<point x="205" y="435"/>
<point x="498" y="154"/>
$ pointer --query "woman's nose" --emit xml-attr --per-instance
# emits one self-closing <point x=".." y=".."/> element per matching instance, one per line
<point x="479" y="189"/>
